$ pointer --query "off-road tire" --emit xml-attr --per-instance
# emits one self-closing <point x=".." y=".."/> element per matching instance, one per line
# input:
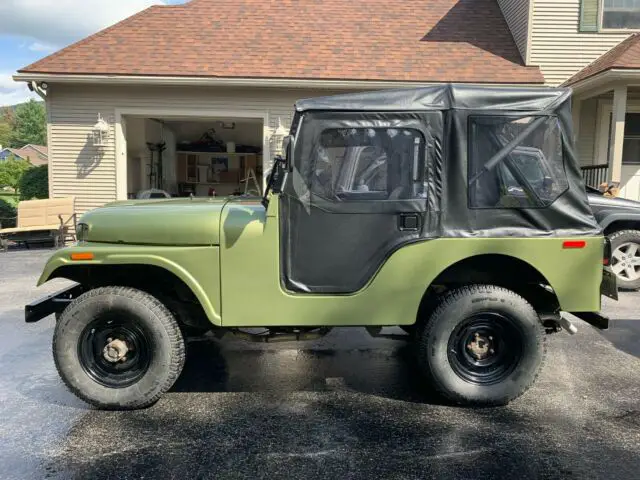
<point x="619" y="238"/>
<point x="455" y="307"/>
<point x="165" y="339"/>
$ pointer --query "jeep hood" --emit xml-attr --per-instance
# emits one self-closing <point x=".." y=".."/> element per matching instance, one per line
<point x="179" y="222"/>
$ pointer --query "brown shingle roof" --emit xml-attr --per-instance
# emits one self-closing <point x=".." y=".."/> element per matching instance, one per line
<point x="36" y="154"/>
<point x="420" y="40"/>
<point x="625" y="55"/>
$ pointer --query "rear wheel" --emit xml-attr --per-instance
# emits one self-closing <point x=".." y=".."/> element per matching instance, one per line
<point x="625" y="261"/>
<point x="483" y="345"/>
<point x="118" y="348"/>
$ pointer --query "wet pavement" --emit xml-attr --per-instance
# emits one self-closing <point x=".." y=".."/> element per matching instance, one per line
<point x="347" y="406"/>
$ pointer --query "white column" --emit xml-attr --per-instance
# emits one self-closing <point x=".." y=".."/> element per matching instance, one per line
<point x="617" y="133"/>
<point x="576" y="105"/>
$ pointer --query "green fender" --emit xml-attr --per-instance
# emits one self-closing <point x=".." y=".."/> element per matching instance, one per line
<point x="197" y="267"/>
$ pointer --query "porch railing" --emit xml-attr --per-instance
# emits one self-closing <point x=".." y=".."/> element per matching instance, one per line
<point x="595" y="175"/>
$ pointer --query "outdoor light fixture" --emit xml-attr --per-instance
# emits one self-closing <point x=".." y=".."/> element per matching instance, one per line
<point x="278" y="137"/>
<point x="100" y="133"/>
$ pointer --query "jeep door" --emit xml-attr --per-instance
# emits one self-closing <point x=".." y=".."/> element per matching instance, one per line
<point x="358" y="191"/>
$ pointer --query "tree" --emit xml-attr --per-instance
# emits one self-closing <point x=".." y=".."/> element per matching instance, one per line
<point x="5" y="134"/>
<point x="5" y="126"/>
<point x="29" y="124"/>
<point x="11" y="171"/>
<point x="35" y="183"/>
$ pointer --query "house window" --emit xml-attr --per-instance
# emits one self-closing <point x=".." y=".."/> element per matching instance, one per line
<point x="631" y="145"/>
<point x="621" y="14"/>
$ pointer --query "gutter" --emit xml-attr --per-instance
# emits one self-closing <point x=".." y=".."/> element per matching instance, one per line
<point x="147" y="80"/>
<point x="599" y="79"/>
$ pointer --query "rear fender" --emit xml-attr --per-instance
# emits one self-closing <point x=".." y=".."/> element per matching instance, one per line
<point x="197" y="267"/>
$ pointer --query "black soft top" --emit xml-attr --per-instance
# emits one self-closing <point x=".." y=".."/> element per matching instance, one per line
<point x="473" y="133"/>
<point x="443" y="97"/>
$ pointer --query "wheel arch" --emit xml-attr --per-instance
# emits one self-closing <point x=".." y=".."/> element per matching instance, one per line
<point x="154" y="275"/>
<point x="617" y="222"/>
<point x="493" y="269"/>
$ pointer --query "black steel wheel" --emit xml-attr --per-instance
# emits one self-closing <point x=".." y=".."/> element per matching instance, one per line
<point x="114" y="352"/>
<point x="483" y="345"/>
<point x="485" y="348"/>
<point x="118" y="348"/>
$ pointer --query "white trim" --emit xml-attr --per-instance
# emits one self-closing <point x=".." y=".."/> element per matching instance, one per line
<point x="121" y="140"/>
<point x="631" y="76"/>
<point x="527" y="59"/>
<point x="49" y="155"/>
<point x="235" y="82"/>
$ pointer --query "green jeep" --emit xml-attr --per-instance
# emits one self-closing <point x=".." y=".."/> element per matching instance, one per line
<point x="422" y="208"/>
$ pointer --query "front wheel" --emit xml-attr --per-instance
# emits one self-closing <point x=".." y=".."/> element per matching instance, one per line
<point x="118" y="348"/>
<point x="483" y="345"/>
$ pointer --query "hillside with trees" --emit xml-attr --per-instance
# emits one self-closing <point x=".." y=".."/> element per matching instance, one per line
<point x="23" y="124"/>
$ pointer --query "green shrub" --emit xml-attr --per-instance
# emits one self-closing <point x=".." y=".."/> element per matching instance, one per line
<point x="34" y="183"/>
<point x="7" y="214"/>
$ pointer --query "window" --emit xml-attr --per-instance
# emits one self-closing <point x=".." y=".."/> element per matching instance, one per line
<point x="369" y="164"/>
<point x="529" y="174"/>
<point x="621" y="14"/>
<point x="631" y="145"/>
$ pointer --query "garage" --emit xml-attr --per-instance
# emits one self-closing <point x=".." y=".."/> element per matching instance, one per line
<point x="182" y="156"/>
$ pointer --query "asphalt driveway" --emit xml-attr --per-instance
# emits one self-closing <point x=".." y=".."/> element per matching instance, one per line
<point x="345" y="407"/>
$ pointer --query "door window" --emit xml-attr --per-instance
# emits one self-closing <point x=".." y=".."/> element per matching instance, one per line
<point x="376" y="164"/>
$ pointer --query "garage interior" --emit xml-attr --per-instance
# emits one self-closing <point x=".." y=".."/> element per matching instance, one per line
<point x="181" y="157"/>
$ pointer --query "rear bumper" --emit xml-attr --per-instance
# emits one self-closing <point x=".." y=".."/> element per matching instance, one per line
<point x="593" y="318"/>
<point x="54" y="303"/>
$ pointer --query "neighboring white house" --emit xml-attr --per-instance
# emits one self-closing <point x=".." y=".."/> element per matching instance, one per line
<point x="215" y="80"/>
<point x="591" y="46"/>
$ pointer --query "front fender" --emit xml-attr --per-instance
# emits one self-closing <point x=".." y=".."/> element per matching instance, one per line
<point x="609" y="218"/>
<point x="197" y="267"/>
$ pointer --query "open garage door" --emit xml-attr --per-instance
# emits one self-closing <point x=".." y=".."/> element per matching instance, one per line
<point x="180" y="157"/>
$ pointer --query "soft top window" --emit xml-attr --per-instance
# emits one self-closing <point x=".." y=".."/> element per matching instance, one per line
<point x="363" y="164"/>
<point x="515" y="162"/>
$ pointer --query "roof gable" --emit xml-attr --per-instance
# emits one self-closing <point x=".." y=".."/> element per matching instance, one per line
<point x="625" y="55"/>
<point x="422" y="41"/>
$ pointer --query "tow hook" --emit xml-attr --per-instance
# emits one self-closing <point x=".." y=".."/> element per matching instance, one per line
<point x="567" y="325"/>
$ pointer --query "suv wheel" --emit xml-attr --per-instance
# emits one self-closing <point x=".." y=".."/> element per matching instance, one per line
<point x="483" y="345"/>
<point x="625" y="261"/>
<point x="118" y="348"/>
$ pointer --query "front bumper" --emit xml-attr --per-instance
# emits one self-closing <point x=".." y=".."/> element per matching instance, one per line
<point x="54" y="303"/>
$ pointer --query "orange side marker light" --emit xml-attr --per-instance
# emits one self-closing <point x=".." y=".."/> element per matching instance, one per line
<point x="82" y="256"/>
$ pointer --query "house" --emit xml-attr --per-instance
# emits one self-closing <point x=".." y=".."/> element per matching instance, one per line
<point x="193" y="98"/>
<point x="34" y="154"/>
<point x="593" y="47"/>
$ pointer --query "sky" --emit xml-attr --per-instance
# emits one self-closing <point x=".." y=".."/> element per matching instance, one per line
<point x="33" y="29"/>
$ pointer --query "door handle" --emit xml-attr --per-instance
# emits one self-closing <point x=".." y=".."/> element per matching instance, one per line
<point x="409" y="222"/>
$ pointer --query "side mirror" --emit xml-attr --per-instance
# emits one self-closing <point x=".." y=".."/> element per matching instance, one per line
<point x="287" y="145"/>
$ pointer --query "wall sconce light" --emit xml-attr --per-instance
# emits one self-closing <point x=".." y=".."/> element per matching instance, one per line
<point x="278" y="137"/>
<point x="100" y="133"/>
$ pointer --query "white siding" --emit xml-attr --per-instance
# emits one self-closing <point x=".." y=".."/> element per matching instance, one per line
<point x="516" y="13"/>
<point x="77" y="170"/>
<point x="557" y="45"/>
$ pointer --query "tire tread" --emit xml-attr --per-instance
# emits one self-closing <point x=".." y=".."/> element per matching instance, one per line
<point x="446" y="301"/>
<point x="165" y="318"/>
